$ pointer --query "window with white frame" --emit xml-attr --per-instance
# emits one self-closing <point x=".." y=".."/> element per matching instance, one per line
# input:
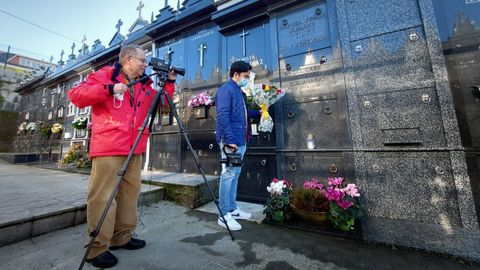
<point x="60" y="111"/>
<point x="83" y="110"/>
<point x="71" y="109"/>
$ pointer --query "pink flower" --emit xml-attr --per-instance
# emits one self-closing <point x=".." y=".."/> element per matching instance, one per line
<point x="351" y="190"/>
<point x="344" y="204"/>
<point x="275" y="180"/>
<point x="335" y="181"/>
<point x="334" y="194"/>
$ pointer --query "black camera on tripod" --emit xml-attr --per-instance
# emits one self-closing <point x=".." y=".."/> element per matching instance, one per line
<point x="161" y="66"/>
<point x="233" y="159"/>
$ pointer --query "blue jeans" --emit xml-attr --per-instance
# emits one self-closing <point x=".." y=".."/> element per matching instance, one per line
<point x="227" y="193"/>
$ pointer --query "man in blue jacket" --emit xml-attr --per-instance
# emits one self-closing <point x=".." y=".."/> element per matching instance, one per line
<point x="232" y="130"/>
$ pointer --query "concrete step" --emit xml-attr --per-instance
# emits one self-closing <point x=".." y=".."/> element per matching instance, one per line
<point x="188" y="190"/>
<point x="54" y="217"/>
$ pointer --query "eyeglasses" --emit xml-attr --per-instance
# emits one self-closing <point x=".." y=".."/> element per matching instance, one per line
<point x="140" y="59"/>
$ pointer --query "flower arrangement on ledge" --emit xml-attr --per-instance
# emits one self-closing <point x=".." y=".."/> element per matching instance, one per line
<point x="27" y="126"/>
<point x="22" y="127"/>
<point x="31" y="126"/>
<point x="78" y="156"/>
<point x="343" y="206"/>
<point x="201" y="99"/>
<point x="277" y="207"/>
<point x="57" y="128"/>
<point x="312" y="197"/>
<point x="314" y="201"/>
<point x="80" y="123"/>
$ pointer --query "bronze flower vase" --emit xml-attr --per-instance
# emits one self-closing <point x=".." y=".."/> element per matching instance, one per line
<point x="316" y="217"/>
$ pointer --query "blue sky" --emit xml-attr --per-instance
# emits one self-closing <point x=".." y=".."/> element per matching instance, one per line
<point x="94" y="18"/>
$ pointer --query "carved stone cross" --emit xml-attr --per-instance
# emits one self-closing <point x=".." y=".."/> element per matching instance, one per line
<point x="119" y="24"/>
<point x="139" y="8"/>
<point x="243" y="35"/>
<point x="84" y="46"/>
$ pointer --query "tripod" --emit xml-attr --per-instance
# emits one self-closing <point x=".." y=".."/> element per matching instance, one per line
<point x="156" y="105"/>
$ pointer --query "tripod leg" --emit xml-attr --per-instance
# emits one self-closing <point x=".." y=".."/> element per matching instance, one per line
<point x="121" y="173"/>
<point x="195" y="158"/>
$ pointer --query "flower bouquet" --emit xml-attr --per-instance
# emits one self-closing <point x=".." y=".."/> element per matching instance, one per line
<point x="22" y="128"/>
<point x="201" y="99"/>
<point x="265" y="95"/>
<point x="31" y="126"/>
<point x="57" y="128"/>
<point x="80" y="123"/>
<point x="277" y="207"/>
<point x="343" y="207"/>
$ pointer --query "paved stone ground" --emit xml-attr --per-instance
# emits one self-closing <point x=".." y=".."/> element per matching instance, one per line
<point x="180" y="238"/>
<point x="27" y="191"/>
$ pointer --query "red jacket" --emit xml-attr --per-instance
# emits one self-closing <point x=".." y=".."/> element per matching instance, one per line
<point x="114" y="129"/>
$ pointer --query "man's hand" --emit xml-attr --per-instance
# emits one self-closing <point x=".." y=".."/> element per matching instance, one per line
<point x="172" y="75"/>
<point x="120" y="88"/>
<point x="232" y="146"/>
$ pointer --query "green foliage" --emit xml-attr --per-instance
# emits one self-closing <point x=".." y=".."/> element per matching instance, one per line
<point x="277" y="207"/>
<point x="344" y="219"/>
<point x="78" y="156"/>
<point x="80" y="123"/>
<point x="45" y="130"/>
<point x="251" y="105"/>
<point x="309" y="199"/>
<point x="84" y="162"/>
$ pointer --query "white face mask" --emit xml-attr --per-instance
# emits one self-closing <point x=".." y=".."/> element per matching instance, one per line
<point x="118" y="96"/>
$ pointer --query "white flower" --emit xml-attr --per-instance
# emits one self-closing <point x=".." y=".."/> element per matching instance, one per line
<point x="276" y="188"/>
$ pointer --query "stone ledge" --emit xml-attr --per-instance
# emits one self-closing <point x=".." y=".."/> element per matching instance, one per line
<point x="188" y="190"/>
<point x="66" y="216"/>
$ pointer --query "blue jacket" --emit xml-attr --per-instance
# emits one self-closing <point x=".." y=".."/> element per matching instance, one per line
<point x="231" y="122"/>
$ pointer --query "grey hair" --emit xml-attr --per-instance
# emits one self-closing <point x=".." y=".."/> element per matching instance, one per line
<point x="128" y="50"/>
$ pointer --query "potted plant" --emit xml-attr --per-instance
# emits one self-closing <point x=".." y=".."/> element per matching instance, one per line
<point x="277" y="207"/>
<point x="22" y="128"/>
<point x="200" y="104"/>
<point x="80" y="123"/>
<point x="310" y="201"/>
<point x="57" y="129"/>
<point x="31" y="126"/>
<point x="45" y="130"/>
<point x="342" y="202"/>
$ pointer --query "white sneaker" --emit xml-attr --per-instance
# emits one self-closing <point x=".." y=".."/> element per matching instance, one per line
<point x="232" y="223"/>
<point x="239" y="214"/>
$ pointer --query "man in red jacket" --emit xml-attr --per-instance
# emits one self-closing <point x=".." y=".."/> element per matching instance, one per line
<point x="117" y="113"/>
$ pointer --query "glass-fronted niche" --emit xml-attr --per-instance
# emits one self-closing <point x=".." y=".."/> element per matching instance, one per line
<point x="459" y="27"/>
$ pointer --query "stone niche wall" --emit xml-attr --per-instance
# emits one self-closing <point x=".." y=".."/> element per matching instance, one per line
<point x="408" y="159"/>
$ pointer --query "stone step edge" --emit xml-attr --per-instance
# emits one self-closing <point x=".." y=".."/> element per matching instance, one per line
<point x="22" y="229"/>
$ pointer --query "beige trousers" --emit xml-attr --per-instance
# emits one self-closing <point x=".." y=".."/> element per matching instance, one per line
<point x="121" y="218"/>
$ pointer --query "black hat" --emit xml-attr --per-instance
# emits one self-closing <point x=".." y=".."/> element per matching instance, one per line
<point x="239" y="66"/>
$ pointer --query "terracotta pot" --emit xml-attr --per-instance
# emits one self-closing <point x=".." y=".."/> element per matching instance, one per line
<point x="309" y="215"/>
